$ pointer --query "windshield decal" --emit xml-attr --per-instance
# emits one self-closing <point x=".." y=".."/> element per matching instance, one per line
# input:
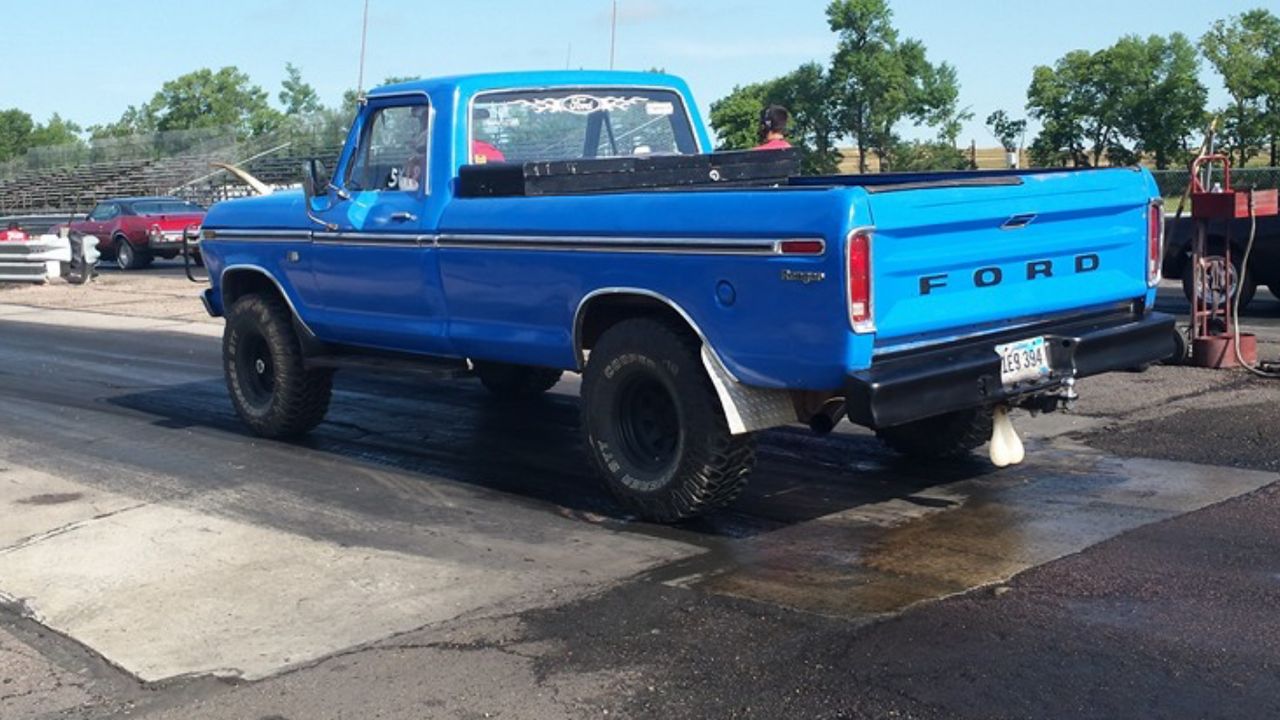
<point x="580" y="104"/>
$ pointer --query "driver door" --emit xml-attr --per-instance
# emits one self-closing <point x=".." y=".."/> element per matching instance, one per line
<point x="376" y="273"/>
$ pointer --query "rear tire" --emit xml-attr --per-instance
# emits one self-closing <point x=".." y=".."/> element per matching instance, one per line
<point x="516" y="382"/>
<point x="943" y="436"/>
<point x="271" y="388"/>
<point x="654" y="426"/>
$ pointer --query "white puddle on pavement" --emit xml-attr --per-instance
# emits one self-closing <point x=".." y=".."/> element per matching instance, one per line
<point x="163" y="591"/>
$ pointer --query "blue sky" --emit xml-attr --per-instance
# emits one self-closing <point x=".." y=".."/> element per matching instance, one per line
<point x="127" y="48"/>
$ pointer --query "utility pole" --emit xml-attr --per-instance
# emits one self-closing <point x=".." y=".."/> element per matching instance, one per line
<point x="364" y="33"/>
<point x="613" y="33"/>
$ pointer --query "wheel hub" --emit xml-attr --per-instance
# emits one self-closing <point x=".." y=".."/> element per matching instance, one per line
<point x="648" y="424"/>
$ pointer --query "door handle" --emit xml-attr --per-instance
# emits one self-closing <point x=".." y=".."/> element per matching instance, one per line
<point x="403" y="216"/>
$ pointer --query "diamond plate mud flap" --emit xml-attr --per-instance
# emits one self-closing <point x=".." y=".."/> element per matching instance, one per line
<point x="747" y="408"/>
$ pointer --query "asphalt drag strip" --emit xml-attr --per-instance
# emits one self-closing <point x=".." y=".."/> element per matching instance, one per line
<point x="138" y="519"/>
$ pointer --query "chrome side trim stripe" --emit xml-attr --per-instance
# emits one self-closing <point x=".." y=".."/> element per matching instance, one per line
<point x="606" y="243"/>
<point x="368" y="238"/>
<point x="254" y="234"/>
<point x="564" y="243"/>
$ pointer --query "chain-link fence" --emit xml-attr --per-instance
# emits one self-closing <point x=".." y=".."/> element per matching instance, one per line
<point x="1173" y="182"/>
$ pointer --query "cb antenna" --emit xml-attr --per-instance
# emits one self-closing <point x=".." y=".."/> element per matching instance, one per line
<point x="613" y="33"/>
<point x="364" y="33"/>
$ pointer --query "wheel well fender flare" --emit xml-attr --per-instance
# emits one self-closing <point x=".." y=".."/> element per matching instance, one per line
<point x="236" y="281"/>
<point x="601" y="309"/>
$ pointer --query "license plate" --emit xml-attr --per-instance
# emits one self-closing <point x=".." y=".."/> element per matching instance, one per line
<point x="1023" y="361"/>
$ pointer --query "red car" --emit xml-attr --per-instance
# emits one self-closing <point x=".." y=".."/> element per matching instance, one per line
<point x="134" y="231"/>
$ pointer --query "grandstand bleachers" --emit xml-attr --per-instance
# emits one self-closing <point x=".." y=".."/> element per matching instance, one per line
<point x="189" y="175"/>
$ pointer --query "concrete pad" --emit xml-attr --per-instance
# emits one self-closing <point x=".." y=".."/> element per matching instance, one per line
<point x="36" y="505"/>
<point x="164" y="591"/>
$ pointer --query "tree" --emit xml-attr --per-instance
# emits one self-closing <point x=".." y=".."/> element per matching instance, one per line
<point x="806" y="94"/>
<point x="878" y="79"/>
<point x="1246" y="52"/>
<point x="15" y="133"/>
<point x="134" y="121"/>
<point x="297" y="97"/>
<point x="208" y="99"/>
<point x="1007" y="130"/>
<point x="1077" y="103"/>
<point x="735" y="118"/>
<point x="56" y="132"/>
<point x="1163" y="102"/>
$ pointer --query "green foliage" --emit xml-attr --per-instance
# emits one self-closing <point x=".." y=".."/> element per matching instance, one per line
<point x="735" y="118"/>
<point x="15" y="133"/>
<point x="1164" y="103"/>
<point x="1007" y="130"/>
<point x="297" y="96"/>
<point x="806" y="93"/>
<point x="135" y="120"/>
<point x="56" y="132"/>
<point x="1137" y="96"/>
<point x="204" y="98"/>
<point x="1245" y="51"/>
<point x="880" y="80"/>
<point x="925" y="155"/>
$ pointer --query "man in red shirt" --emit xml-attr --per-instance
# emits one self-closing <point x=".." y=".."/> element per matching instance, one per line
<point x="773" y="128"/>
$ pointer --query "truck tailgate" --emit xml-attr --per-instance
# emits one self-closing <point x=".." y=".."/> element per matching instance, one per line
<point x="957" y="259"/>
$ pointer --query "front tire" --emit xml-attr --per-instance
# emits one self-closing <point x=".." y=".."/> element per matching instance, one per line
<point x="944" y="436"/>
<point x="654" y="426"/>
<point x="516" y="382"/>
<point x="270" y="387"/>
<point x="130" y="258"/>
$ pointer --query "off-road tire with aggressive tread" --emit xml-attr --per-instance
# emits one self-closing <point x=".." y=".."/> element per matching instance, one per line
<point x="288" y="399"/>
<point x="943" y="436"/>
<point x="703" y="466"/>
<point x="516" y="382"/>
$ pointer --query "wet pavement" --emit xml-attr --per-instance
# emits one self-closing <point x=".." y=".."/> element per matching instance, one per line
<point x="469" y="563"/>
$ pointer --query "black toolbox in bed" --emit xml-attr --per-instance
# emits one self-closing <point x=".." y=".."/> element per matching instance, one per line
<point x="739" y="168"/>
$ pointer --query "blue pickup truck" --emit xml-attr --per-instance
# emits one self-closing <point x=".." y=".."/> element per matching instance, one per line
<point x="516" y="226"/>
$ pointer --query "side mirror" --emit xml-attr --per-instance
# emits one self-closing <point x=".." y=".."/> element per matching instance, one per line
<point x="315" y="176"/>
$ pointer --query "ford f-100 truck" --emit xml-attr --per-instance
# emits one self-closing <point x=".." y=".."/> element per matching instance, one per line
<point x="516" y="226"/>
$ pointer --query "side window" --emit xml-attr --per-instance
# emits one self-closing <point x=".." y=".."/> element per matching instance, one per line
<point x="100" y="212"/>
<point x="392" y="154"/>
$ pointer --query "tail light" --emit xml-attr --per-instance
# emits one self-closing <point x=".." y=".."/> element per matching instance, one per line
<point x="1155" y="241"/>
<point x="858" y="254"/>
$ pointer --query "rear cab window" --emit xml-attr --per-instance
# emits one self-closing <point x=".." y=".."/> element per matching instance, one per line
<point x="578" y="123"/>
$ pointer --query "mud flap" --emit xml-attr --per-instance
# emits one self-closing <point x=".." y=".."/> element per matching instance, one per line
<point x="747" y="408"/>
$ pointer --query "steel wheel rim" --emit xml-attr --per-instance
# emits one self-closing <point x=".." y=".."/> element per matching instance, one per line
<point x="256" y="369"/>
<point x="648" y="424"/>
